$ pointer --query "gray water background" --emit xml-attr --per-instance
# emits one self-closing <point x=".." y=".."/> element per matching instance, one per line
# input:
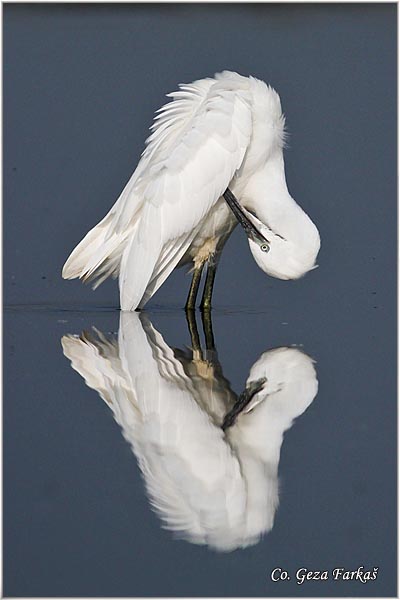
<point x="81" y="84"/>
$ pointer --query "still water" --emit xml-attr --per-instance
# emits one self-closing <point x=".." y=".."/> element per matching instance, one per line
<point x="120" y="480"/>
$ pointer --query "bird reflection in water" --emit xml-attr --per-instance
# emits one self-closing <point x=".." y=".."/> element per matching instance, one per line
<point x="209" y="458"/>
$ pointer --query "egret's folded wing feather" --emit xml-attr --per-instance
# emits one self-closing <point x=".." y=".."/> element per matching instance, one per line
<point x="170" y="123"/>
<point x="99" y="253"/>
<point x="170" y="257"/>
<point x="187" y="174"/>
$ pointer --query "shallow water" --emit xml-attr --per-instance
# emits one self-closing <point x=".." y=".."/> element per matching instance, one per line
<point x="78" y="519"/>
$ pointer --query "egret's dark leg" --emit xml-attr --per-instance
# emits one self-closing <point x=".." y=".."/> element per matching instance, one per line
<point x="208" y="330"/>
<point x="194" y="288"/>
<point x="211" y="351"/>
<point x="209" y="284"/>
<point x="194" y="334"/>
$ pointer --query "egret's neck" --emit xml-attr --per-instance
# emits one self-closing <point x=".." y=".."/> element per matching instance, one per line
<point x="267" y="189"/>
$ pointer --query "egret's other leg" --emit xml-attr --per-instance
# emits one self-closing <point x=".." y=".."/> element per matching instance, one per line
<point x="209" y="284"/>
<point x="194" y="288"/>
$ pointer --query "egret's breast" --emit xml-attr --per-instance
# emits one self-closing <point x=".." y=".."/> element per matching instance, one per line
<point x="214" y="230"/>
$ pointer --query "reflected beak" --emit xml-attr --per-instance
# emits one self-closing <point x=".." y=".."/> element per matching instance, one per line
<point x="243" y="401"/>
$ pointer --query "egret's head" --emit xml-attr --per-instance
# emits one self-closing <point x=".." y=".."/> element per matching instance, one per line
<point x="292" y="243"/>
<point x="293" y="240"/>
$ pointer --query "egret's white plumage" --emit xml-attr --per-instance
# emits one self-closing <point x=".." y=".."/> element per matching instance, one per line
<point x="211" y="488"/>
<point x="220" y="132"/>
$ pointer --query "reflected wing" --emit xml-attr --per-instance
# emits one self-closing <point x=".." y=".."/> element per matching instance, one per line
<point x="96" y="358"/>
<point x="192" y="477"/>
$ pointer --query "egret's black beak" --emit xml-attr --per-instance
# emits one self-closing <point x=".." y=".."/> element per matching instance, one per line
<point x="249" y="228"/>
<point x="244" y="399"/>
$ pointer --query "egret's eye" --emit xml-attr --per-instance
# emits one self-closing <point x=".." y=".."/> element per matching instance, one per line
<point x="264" y="248"/>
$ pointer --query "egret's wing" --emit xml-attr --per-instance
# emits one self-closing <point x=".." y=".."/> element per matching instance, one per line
<point x="197" y="143"/>
<point x="188" y="170"/>
<point x="99" y="254"/>
<point x="170" y="122"/>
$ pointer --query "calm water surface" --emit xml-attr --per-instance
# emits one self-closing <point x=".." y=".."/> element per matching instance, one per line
<point x="78" y="518"/>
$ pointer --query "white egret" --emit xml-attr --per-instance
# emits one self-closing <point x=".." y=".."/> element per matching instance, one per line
<point x="219" y="143"/>
<point x="209" y="460"/>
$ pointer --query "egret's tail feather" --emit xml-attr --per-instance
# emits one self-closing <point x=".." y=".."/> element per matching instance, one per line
<point x="139" y="258"/>
<point x="150" y="259"/>
<point x="99" y="254"/>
